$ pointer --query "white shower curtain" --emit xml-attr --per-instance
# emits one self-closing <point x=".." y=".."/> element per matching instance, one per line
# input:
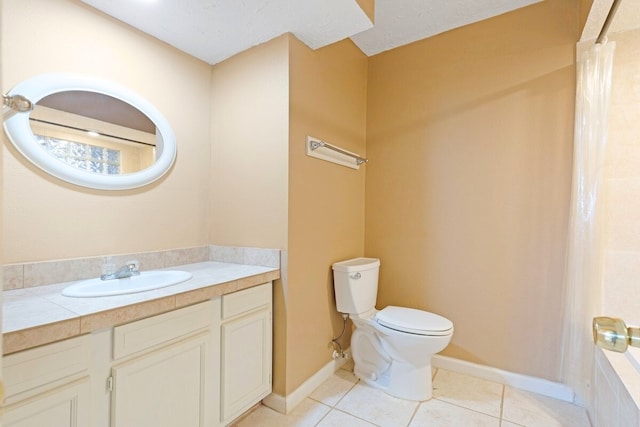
<point x="583" y="271"/>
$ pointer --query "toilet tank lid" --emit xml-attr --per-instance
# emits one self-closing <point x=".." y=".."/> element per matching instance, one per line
<point x="356" y="264"/>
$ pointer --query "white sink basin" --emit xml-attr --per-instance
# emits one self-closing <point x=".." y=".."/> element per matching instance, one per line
<point x="146" y="281"/>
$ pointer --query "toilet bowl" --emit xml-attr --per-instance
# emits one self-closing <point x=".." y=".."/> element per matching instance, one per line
<point x="392" y="348"/>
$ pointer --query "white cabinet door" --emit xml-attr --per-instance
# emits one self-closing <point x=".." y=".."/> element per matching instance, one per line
<point x="165" y="388"/>
<point x="66" y="406"/>
<point x="246" y="362"/>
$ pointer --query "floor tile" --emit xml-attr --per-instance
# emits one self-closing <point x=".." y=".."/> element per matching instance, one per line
<point x="375" y="406"/>
<point x="533" y="410"/>
<point x="337" y="418"/>
<point x="306" y="414"/>
<point x="436" y="413"/>
<point x="459" y="401"/>
<point x="469" y="392"/>
<point x="334" y="388"/>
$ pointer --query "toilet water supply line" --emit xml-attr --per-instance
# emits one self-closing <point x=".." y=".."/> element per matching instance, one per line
<point x="338" y="352"/>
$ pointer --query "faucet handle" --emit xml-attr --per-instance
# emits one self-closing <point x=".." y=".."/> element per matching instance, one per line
<point x="134" y="266"/>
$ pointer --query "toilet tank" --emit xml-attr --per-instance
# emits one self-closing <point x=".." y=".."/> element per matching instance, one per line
<point x="355" y="282"/>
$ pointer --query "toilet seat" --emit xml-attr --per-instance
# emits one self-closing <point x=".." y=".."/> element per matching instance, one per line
<point x="414" y="321"/>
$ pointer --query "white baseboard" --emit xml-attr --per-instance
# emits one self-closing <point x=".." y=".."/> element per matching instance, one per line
<point x="523" y="382"/>
<point x="286" y="404"/>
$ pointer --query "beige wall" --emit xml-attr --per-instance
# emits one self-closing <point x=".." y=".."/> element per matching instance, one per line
<point x="326" y="201"/>
<point x="469" y="138"/>
<point x="47" y="219"/>
<point x="249" y="157"/>
<point x="267" y="192"/>
<point x="249" y="163"/>
<point x="368" y="6"/>
<point x="622" y="183"/>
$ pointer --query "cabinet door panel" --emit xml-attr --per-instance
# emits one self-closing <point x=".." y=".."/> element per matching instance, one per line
<point x="166" y="388"/>
<point x="31" y="372"/>
<point x="62" y="407"/>
<point x="246" y="362"/>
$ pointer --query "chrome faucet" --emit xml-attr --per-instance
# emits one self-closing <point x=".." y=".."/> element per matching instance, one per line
<point x="127" y="270"/>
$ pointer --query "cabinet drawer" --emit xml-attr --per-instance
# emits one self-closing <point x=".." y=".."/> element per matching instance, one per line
<point x="245" y="300"/>
<point x="34" y="371"/>
<point x="148" y="333"/>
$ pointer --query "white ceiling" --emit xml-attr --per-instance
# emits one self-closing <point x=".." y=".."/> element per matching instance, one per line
<point x="213" y="30"/>
<point x="399" y="22"/>
<point x="627" y="18"/>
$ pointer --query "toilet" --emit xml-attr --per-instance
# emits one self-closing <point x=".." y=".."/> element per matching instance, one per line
<point x="391" y="348"/>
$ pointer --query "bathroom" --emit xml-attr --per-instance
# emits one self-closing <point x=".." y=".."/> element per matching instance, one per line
<point x="471" y="225"/>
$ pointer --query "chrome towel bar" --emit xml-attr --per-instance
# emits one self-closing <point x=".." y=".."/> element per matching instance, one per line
<point x="335" y="154"/>
<point x="317" y="144"/>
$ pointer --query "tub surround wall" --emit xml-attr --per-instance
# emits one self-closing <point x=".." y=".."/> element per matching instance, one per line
<point x="617" y="381"/>
<point x="616" y="391"/>
<point x="622" y="183"/>
<point x="468" y="181"/>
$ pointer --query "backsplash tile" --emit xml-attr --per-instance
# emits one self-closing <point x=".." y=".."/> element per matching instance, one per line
<point x="17" y="276"/>
<point x="259" y="256"/>
<point x="146" y="260"/>
<point x="253" y="256"/>
<point x="13" y="276"/>
<point x="186" y="256"/>
<point x="226" y="254"/>
<point x="44" y="273"/>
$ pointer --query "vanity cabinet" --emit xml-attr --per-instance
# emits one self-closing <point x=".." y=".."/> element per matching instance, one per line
<point x="197" y="366"/>
<point x="48" y="385"/>
<point x="165" y="372"/>
<point x="246" y="349"/>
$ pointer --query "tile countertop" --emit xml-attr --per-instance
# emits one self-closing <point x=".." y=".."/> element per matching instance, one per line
<point x="41" y="315"/>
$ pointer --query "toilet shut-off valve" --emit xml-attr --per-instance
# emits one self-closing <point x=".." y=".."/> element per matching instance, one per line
<point x="613" y="334"/>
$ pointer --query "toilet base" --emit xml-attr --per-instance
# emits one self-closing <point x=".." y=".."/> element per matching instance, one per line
<point x="402" y="380"/>
<point x="410" y="383"/>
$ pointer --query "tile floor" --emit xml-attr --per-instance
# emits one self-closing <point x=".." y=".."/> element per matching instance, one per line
<point x="459" y="400"/>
